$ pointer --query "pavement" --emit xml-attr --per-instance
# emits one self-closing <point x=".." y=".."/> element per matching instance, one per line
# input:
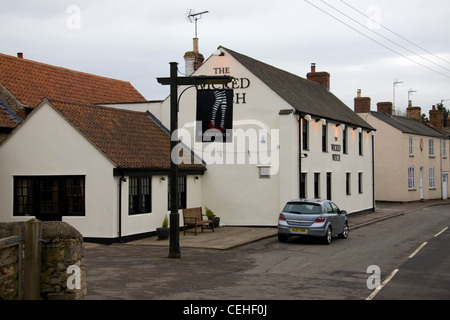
<point x="229" y="237"/>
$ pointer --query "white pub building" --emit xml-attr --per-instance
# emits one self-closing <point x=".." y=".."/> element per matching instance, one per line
<point x="283" y="137"/>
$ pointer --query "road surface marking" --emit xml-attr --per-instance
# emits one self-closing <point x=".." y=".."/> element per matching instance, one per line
<point x="378" y="289"/>
<point x="440" y="232"/>
<point x="417" y="250"/>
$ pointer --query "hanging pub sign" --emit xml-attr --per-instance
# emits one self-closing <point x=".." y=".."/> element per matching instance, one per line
<point x="214" y="115"/>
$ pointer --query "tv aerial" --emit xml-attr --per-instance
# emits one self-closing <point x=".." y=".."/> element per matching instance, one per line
<point x="192" y="17"/>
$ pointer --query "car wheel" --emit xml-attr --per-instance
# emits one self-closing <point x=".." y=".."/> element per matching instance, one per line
<point x="327" y="238"/>
<point x="344" y="233"/>
<point x="282" y="237"/>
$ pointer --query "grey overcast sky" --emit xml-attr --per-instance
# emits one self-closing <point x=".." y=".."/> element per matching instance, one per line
<point x="363" y="44"/>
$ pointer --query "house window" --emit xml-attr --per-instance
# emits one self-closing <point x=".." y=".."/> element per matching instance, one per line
<point x="360" y="182"/>
<point x="325" y="138"/>
<point x="360" y="143"/>
<point x="49" y="197"/>
<point x="305" y="134"/>
<point x="411" y="178"/>
<point x="139" y="196"/>
<point x="303" y="185"/>
<point x="181" y="193"/>
<point x="328" y="185"/>
<point x="344" y="140"/>
<point x="444" y="149"/>
<point x="410" y="146"/>
<point x="317" y="185"/>
<point x="431" y="178"/>
<point x="75" y="196"/>
<point x="348" y="183"/>
<point x="431" y="147"/>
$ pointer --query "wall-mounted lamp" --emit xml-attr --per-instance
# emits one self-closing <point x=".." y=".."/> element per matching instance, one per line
<point x="308" y="118"/>
<point x="322" y="121"/>
<point x="162" y="178"/>
<point x="218" y="53"/>
<point x="359" y="130"/>
<point x="196" y="177"/>
<point x="341" y="125"/>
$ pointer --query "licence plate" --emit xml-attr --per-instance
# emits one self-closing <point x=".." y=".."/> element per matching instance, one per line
<point x="296" y="230"/>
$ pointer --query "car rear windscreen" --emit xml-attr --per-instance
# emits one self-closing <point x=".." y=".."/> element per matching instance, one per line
<point x="303" y="208"/>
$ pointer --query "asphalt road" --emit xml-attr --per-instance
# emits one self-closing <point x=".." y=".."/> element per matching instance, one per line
<point x="299" y="269"/>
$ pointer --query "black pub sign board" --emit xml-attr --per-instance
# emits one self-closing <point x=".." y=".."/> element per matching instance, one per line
<point x="214" y="116"/>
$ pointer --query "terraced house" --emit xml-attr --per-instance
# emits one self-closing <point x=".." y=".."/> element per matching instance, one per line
<point x="412" y="160"/>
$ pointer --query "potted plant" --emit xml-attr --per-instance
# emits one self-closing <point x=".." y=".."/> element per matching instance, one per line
<point x="164" y="231"/>
<point x="211" y="216"/>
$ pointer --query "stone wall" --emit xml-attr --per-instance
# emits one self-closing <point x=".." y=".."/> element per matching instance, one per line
<point x="9" y="262"/>
<point x="63" y="275"/>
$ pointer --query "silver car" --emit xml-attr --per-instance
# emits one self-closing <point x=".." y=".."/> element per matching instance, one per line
<point x="318" y="218"/>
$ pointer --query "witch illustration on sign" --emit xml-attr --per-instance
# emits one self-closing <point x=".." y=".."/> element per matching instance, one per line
<point x="215" y="112"/>
<point x="221" y="101"/>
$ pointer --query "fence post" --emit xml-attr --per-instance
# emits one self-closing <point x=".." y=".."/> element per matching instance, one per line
<point x="32" y="269"/>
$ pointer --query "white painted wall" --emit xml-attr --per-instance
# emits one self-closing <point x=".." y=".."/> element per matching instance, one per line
<point x="46" y="144"/>
<point x="393" y="159"/>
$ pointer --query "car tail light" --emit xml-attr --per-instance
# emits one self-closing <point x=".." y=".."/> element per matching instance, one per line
<point x="281" y="217"/>
<point x="320" y="219"/>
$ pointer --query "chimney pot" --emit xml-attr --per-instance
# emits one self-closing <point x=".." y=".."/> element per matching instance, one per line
<point x="358" y="93"/>
<point x="20" y="55"/>
<point x="313" y="67"/>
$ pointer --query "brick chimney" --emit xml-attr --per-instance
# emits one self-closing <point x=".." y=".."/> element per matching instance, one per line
<point x="414" y="113"/>
<point x="362" y="104"/>
<point x="385" y="107"/>
<point x="437" y="118"/>
<point x="320" y="77"/>
<point x="20" y="55"/>
<point x="193" y="59"/>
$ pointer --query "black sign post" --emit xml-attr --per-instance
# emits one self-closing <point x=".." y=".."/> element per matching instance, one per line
<point x="174" y="82"/>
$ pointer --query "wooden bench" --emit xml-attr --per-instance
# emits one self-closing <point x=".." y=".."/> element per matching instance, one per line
<point x="194" y="217"/>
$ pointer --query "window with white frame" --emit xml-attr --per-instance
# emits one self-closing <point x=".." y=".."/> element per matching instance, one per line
<point x="431" y="178"/>
<point x="411" y="178"/>
<point x="431" y="147"/>
<point x="410" y="146"/>
<point x="444" y="149"/>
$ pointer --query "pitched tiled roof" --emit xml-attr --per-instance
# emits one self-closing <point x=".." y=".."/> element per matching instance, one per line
<point x="130" y="139"/>
<point x="8" y="119"/>
<point x="304" y="95"/>
<point x="31" y="81"/>
<point x="407" y="125"/>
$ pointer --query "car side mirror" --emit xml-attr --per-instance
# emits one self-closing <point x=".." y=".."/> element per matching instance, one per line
<point x="343" y="212"/>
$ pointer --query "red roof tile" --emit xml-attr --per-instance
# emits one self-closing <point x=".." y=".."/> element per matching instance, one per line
<point x="31" y="81"/>
<point x="130" y="139"/>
